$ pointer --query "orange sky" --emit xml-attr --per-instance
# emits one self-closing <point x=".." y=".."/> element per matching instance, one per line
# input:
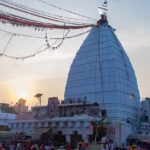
<point x="47" y="72"/>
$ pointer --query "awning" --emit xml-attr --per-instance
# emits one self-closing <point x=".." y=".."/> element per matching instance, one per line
<point x="36" y="134"/>
<point x="139" y="137"/>
<point x="7" y="135"/>
<point x="146" y="141"/>
<point x="106" y="121"/>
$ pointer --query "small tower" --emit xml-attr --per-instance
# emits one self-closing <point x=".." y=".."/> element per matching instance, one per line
<point x="103" y="8"/>
<point x="103" y="12"/>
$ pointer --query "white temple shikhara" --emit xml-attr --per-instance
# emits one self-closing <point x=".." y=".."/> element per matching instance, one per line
<point x="102" y="72"/>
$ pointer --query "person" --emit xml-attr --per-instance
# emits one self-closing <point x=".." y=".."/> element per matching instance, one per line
<point x="48" y="147"/>
<point x="32" y="147"/>
<point x="19" y="146"/>
<point x="68" y="146"/>
<point x="85" y="146"/>
<point x="52" y="147"/>
<point x="111" y="145"/>
<point x="134" y="147"/>
<point x="1" y="146"/>
<point x="103" y="147"/>
<point x="11" y="146"/>
<point x="105" y="144"/>
<point x="123" y="147"/>
<point x="129" y="147"/>
<point x="42" y="147"/>
<point x="81" y="146"/>
<point x="36" y="147"/>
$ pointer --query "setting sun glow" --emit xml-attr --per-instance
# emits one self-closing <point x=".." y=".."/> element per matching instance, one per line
<point x="23" y="94"/>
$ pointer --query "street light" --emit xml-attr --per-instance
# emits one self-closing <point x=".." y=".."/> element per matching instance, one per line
<point x="38" y="96"/>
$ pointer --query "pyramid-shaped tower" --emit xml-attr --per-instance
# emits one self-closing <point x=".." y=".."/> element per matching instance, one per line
<point x="102" y="72"/>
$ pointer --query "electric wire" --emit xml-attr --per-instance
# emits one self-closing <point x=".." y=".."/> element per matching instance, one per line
<point x="8" y="43"/>
<point x="47" y="3"/>
<point x="25" y="57"/>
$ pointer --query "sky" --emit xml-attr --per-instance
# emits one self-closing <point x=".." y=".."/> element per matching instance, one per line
<point x="47" y="72"/>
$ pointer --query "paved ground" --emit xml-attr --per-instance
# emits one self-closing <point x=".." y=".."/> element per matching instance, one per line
<point x="91" y="147"/>
<point x="94" y="147"/>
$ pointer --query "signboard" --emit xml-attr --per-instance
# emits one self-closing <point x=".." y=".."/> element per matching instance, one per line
<point x="53" y="103"/>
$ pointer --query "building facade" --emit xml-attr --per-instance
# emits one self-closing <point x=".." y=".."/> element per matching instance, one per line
<point x="145" y="109"/>
<point x="7" y="113"/>
<point x="70" y="119"/>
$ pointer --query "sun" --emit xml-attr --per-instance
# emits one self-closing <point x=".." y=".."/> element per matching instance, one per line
<point x="23" y="94"/>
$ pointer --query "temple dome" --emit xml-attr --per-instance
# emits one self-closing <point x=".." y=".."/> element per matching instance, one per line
<point x="102" y="72"/>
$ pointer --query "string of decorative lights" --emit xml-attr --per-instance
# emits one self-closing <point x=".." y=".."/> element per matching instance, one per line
<point x="61" y="42"/>
<point x="47" y="21"/>
<point x="16" y="20"/>
<point x="39" y="37"/>
<point x="24" y="21"/>
<point x="54" y="19"/>
<point x="26" y="57"/>
<point x="34" y="14"/>
<point x="59" y="17"/>
<point x="48" y="46"/>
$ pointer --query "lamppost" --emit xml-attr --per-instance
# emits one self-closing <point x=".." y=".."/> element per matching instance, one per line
<point x="38" y="96"/>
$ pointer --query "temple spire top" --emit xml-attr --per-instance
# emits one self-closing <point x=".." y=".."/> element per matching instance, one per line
<point x="103" y="8"/>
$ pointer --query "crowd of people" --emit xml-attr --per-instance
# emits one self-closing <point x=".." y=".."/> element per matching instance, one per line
<point x="110" y="146"/>
<point x="103" y="145"/>
<point x="26" y="146"/>
<point x="36" y="146"/>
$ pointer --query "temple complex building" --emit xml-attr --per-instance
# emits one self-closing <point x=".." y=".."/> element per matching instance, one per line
<point x="101" y="96"/>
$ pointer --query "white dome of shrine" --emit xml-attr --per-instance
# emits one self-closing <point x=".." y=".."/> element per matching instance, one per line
<point x="102" y="72"/>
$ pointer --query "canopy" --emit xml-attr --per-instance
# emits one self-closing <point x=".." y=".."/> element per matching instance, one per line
<point x="7" y="135"/>
<point x="139" y="137"/>
<point x="36" y="134"/>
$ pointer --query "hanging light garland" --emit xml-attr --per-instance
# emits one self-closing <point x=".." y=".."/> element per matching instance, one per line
<point x="17" y="20"/>
<point x="62" y="40"/>
<point x="40" y="37"/>
<point x="38" y="51"/>
<point x="50" y="21"/>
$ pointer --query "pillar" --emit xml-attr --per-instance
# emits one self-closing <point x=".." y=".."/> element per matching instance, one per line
<point x="68" y="138"/>
<point x="85" y="137"/>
